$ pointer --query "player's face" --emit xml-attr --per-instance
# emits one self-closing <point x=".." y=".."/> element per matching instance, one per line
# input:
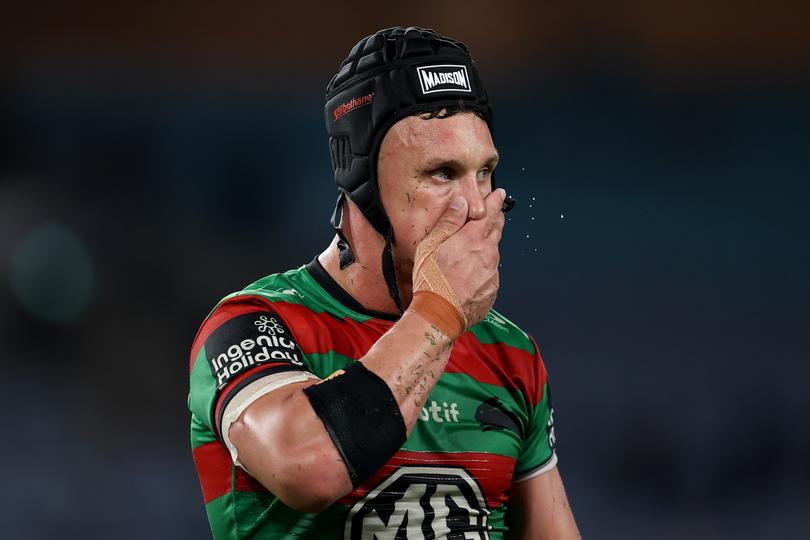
<point x="423" y="164"/>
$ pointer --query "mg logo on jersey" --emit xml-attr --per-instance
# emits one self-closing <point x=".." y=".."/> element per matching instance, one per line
<point x="420" y="503"/>
<point x="443" y="78"/>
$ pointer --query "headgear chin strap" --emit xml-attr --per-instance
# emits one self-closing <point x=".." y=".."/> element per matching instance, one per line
<point x="388" y="76"/>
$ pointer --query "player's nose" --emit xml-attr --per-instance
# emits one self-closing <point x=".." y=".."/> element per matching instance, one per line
<point x="471" y="190"/>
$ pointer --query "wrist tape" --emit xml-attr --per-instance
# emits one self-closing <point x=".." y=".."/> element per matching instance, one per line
<point x="428" y="277"/>
<point x="361" y="416"/>
<point x="438" y="312"/>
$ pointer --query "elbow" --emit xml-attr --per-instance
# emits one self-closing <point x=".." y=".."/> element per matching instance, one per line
<point x="310" y="486"/>
<point x="313" y="501"/>
<point x="307" y="477"/>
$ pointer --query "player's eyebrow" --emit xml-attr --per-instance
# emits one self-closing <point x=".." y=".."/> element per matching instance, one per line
<point x="438" y="163"/>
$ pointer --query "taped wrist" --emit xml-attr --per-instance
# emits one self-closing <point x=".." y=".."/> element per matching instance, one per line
<point x="438" y="312"/>
<point x="362" y="417"/>
<point x="428" y="277"/>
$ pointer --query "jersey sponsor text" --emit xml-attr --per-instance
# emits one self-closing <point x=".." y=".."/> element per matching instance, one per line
<point x="247" y="341"/>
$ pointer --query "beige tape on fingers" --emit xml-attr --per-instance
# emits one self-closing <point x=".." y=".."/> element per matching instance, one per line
<point x="433" y="298"/>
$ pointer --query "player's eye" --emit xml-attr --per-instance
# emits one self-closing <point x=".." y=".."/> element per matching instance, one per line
<point x="484" y="173"/>
<point x="444" y="174"/>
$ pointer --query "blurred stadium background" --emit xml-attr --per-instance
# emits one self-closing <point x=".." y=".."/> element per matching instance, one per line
<point x="156" y="156"/>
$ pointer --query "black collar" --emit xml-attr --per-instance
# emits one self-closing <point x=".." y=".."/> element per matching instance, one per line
<point x="319" y="274"/>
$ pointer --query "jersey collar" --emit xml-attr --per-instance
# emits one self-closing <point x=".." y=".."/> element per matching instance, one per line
<point x="322" y="277"/>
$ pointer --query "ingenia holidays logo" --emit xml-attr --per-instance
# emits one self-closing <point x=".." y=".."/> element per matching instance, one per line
<point x="247" y="341"/>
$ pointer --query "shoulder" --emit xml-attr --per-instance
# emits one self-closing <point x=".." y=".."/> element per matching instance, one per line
<point x="246" y="338"/>
<point x="286" y="287"/>
<point x="275" y="295"/>
<point x="512" y="353"/>
<point x="280" y="293"/>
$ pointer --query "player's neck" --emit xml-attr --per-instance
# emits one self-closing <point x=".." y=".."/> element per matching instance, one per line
<point x="363" y="279"/>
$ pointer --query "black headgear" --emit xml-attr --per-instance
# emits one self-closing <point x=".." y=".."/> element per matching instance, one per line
<point x="388" y="76"/>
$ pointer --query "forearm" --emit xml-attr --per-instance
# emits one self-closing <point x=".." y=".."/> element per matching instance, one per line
<point x="410" y="358"/>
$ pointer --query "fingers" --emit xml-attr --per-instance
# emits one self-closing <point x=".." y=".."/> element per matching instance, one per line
<point x="495" y="217"/>
<point x="494" y="201"/>
<point x="454" y="217"/>
<point x="491" y="222"/>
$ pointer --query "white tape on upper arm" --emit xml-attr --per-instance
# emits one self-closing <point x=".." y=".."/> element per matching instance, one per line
<point x="547" y="466"/>
<point x="251" y="393"/>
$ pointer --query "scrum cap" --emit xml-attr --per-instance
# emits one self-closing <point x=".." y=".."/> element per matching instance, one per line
<point x="388" y="76"/>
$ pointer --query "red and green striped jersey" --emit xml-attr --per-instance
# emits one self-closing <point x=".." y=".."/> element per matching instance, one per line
<point x="487" y="423"/>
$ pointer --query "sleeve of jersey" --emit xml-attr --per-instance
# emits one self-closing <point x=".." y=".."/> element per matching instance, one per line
<point x="243" y="350"/>
<point x="538" y="454"/>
